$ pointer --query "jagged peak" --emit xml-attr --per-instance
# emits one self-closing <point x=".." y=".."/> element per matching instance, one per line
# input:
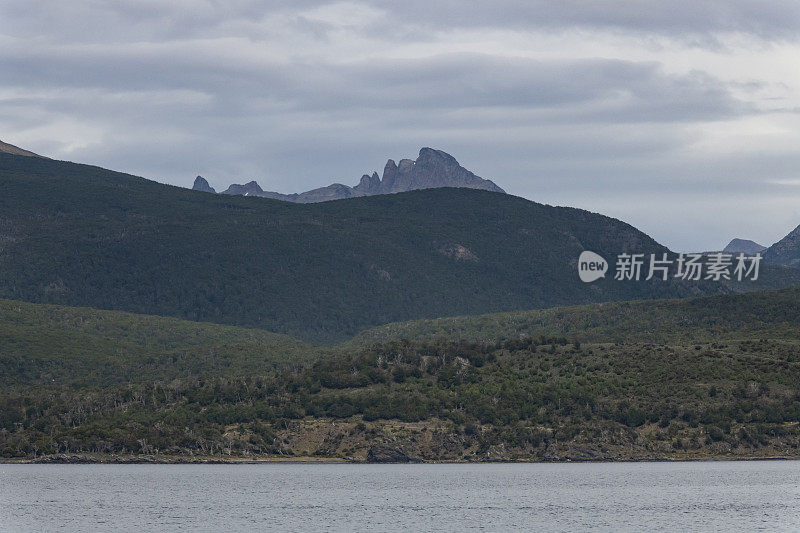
<point x="432" y="169"/>
<point x="405" y="164"/>
<point x="250" y="188"/>
<point x="369" y="183"/>
<point x="201" y="184"/>
<point x="427" y="154"/>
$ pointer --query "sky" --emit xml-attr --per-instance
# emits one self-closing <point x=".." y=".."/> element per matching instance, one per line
<point x="680" y="117"/>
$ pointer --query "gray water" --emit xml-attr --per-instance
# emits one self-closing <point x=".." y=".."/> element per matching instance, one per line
<point x="706" y="496"/>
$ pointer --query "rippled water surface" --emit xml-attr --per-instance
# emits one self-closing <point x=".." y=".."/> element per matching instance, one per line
<point x="709" y="496"/>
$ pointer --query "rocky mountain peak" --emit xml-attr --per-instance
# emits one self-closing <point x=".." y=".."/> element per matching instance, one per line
<point x="389" y="177"/>
<point x="435" y="168"/>
<point x="432" y="169"/>
<point x="201" y="184"/>
<point x="432" y="156"/>
<point x="405" y="165"/>
<point x="250" y="188"/>
<point x="369" y="184"/>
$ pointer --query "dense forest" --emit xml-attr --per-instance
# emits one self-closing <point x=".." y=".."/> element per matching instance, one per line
<point x="775" y="314"/>
<point x="84" y="236"/>
<point x="599" y="389"/>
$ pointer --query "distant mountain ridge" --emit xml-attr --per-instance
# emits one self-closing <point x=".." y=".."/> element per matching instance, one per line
<point x="745" y="246"/>
<point x="321" y="272"/>
<point x="431" y="170"/>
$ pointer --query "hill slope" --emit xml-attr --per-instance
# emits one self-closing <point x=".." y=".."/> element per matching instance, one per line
<point x="775" y="314"/>
<point x="629" y="384"/>
<point x="79" y="235"/>
<point x="57" y="345"/>
<point x="786" y="251"/>
<point x="6" y="148"/>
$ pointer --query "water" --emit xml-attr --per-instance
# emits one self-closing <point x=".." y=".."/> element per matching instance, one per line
<point x="708" y="496"/>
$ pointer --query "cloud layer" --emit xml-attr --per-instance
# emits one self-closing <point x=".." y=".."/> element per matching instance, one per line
<point x="679" y="117"/>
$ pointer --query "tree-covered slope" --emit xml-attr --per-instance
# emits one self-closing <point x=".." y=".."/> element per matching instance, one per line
<point x="695" y="378"/>
<point x="84" y="236"/>
<point x="786" y="251"/>
<point x="56" y="345"/>
<point x="775" y="314"/>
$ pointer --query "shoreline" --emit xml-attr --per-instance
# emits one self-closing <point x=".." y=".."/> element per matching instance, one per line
<point x="92" y="459"/>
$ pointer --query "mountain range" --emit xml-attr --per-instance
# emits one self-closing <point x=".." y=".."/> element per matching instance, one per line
<point x="675" y="378"/>
<point x="321" y="272"/>
<point x="432" y="169"/>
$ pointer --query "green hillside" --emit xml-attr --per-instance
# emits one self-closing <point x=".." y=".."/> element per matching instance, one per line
<point x="56" y="345"/>
<point x="775" y="314"/>
<point x="84" y="236"/>
<point x="693" y="378"/>
<point x="786" y="251"/>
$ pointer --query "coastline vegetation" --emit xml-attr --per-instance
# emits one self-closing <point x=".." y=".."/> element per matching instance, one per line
<point x="705" y="377"/>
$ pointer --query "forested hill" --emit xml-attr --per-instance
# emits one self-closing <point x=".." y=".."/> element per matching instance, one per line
<point x="786" y="251"/>
<point x="774" y="314"/>
<point x="712" y="377"/>
<point x="53" y="345"/>
<point x="81" y="235"/>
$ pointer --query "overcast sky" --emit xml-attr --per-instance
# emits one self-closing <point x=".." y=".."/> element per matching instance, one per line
<point x="680" y="117"/>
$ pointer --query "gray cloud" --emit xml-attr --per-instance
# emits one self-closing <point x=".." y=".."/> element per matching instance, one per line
<point x="773" y="19"/>
<point x="83" y="20"/>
